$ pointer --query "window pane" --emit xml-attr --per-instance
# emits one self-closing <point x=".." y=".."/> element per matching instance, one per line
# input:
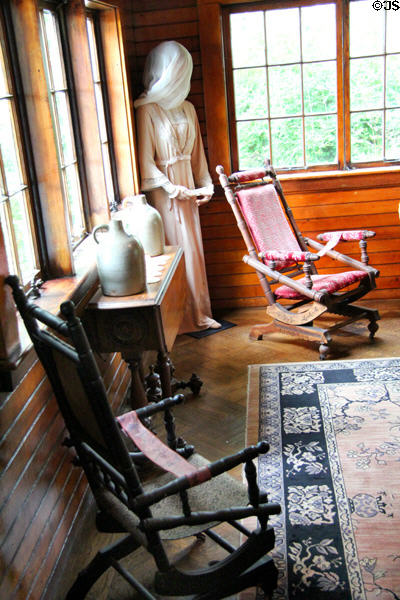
<point x="92" y="49"/>
<point x="287" y="142"/>
<point x="250" y="87"/>
<point x="247" y="38"/>
<point x="321" y="140"/>
<point x="393" y="134"/>
<point x="3" y="77"/>
<point x="320" y="87"/>
<point x="366" y="83"/>
<point x="74" y="200"/>
<point x="283" y="36"/>
<point x="253" y="146"/>
<point x="23" y="236"/>
<point x="285" y="90"/>
<point x="367" y="29"/>
<point x="9" y="148"/>
<point x="318" y="28"/>
<point x="392" y="31"/>
<point x="65" y="128"/>
<point x="393" y="80"/>
<point x="57" y="78"/>
<point x="107" y="174"/>
<point x="6" y="225"/>
<point x="100" y="113"/>
<point x="366" y="136"/>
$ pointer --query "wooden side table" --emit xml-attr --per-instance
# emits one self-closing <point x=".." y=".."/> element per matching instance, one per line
<point x="146" y="321"/>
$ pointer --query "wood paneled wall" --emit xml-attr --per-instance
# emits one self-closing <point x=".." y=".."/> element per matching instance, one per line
<point x="41" y="492"/>
<point x="343" y="201"/>
<point x="154" y="21"/>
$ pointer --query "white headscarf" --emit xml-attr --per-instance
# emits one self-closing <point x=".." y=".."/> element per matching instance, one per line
<point x="166" y="76"/>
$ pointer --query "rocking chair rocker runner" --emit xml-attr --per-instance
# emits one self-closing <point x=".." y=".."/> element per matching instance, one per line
<point x="276" y="250"/>
<point x="188" y="498"/>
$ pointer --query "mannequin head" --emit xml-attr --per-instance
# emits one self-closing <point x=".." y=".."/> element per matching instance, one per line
<point x="166" y="75"/>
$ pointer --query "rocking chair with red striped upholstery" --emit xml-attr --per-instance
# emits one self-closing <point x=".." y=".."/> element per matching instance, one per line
<point x="279" y="253"/>
<point x="179" y="498"/>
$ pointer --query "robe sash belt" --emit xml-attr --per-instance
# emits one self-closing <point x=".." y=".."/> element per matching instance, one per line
<point x="173" y="203"/>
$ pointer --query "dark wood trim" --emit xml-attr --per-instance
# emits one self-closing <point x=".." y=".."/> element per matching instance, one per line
<point x="230" y="91"/>
<point x="217" y="123"/>
<point x="119" y="101"/>
<point x="346" y="84"/>
<point x="61" y="11"/>
<point x="107" y="111"/>
<point x="91" y="152"/>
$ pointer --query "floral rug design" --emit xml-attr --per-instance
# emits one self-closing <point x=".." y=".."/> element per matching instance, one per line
<point x="334" y="466"/>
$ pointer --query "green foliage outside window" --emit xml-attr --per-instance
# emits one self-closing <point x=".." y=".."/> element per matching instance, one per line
<point x="285" y="89"/>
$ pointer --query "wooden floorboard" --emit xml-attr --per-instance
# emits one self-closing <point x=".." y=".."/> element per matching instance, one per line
<point x="215" y="421"/>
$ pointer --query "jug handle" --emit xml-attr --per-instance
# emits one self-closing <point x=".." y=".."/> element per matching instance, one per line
<point x="126" y="201"/>
<point x="97" y="229"/>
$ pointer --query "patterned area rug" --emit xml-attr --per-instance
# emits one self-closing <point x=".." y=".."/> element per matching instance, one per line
<point x="334" y="465"/>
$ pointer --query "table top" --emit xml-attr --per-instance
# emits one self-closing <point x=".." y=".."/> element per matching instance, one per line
<point x="154" y="293"/>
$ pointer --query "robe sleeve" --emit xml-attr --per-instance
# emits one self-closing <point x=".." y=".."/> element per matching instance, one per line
<point x="201" y="174"/>
<point x="150" y="175"/>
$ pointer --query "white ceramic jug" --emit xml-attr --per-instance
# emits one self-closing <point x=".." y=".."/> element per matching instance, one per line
<point x="120" y="260"/>
<point x="144" y="222"/>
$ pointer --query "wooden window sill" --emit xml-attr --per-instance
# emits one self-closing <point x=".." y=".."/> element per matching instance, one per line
<point x="78" y="288"/>
<point x="356" y="172"/>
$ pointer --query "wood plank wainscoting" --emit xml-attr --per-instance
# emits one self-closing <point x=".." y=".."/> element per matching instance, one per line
<point x="41" y="492"/>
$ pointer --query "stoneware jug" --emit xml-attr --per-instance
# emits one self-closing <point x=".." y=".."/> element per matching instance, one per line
<point x="120" y="260"/>
<point x="144" y="222"/>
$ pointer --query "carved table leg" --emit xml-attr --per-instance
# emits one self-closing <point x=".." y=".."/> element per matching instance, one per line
<point x="166" y="370"/>
<point x="137" y="396"/>
<point x="163" y="368"/>
<point x="194" y="384"/>
<point x="153" y="386"/>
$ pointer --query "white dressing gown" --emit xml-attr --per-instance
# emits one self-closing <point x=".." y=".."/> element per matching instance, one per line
<point x="171" y="152"/>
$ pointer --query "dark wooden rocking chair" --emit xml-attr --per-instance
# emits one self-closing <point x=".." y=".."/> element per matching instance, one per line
<point x="194" y="499"/>
<point x="276" y="250"/>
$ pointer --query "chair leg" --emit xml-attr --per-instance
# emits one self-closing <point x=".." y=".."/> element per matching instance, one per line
<point x="257" y="332"/>
<point x="373" y="328"/>
<point x="323" y="351"/>
<point x="99" y="565"/>
<point x="263" y="573"/>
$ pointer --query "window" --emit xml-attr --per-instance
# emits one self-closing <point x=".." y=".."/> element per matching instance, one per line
<point x="374" y="83"/>
<point x="15" y="199"/>
<point x="62" y="123"/>
<point x="52" y="161"/>
<point x="296" y="94"/>
<point x="102" y="109"/>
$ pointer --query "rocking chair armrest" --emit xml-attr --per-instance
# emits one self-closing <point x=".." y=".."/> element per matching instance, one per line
<point x="199" y="476"/>
<point x="318" y="296"/>
<point x="152" y="409"/>
<point x="288" y="256"/>
<point x="346" y="236"/>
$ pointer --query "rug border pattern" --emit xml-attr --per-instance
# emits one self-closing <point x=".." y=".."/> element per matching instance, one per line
<point x="272" y="473"/>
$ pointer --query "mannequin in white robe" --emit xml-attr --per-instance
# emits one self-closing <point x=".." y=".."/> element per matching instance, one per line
<point x="173" y="168"/>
